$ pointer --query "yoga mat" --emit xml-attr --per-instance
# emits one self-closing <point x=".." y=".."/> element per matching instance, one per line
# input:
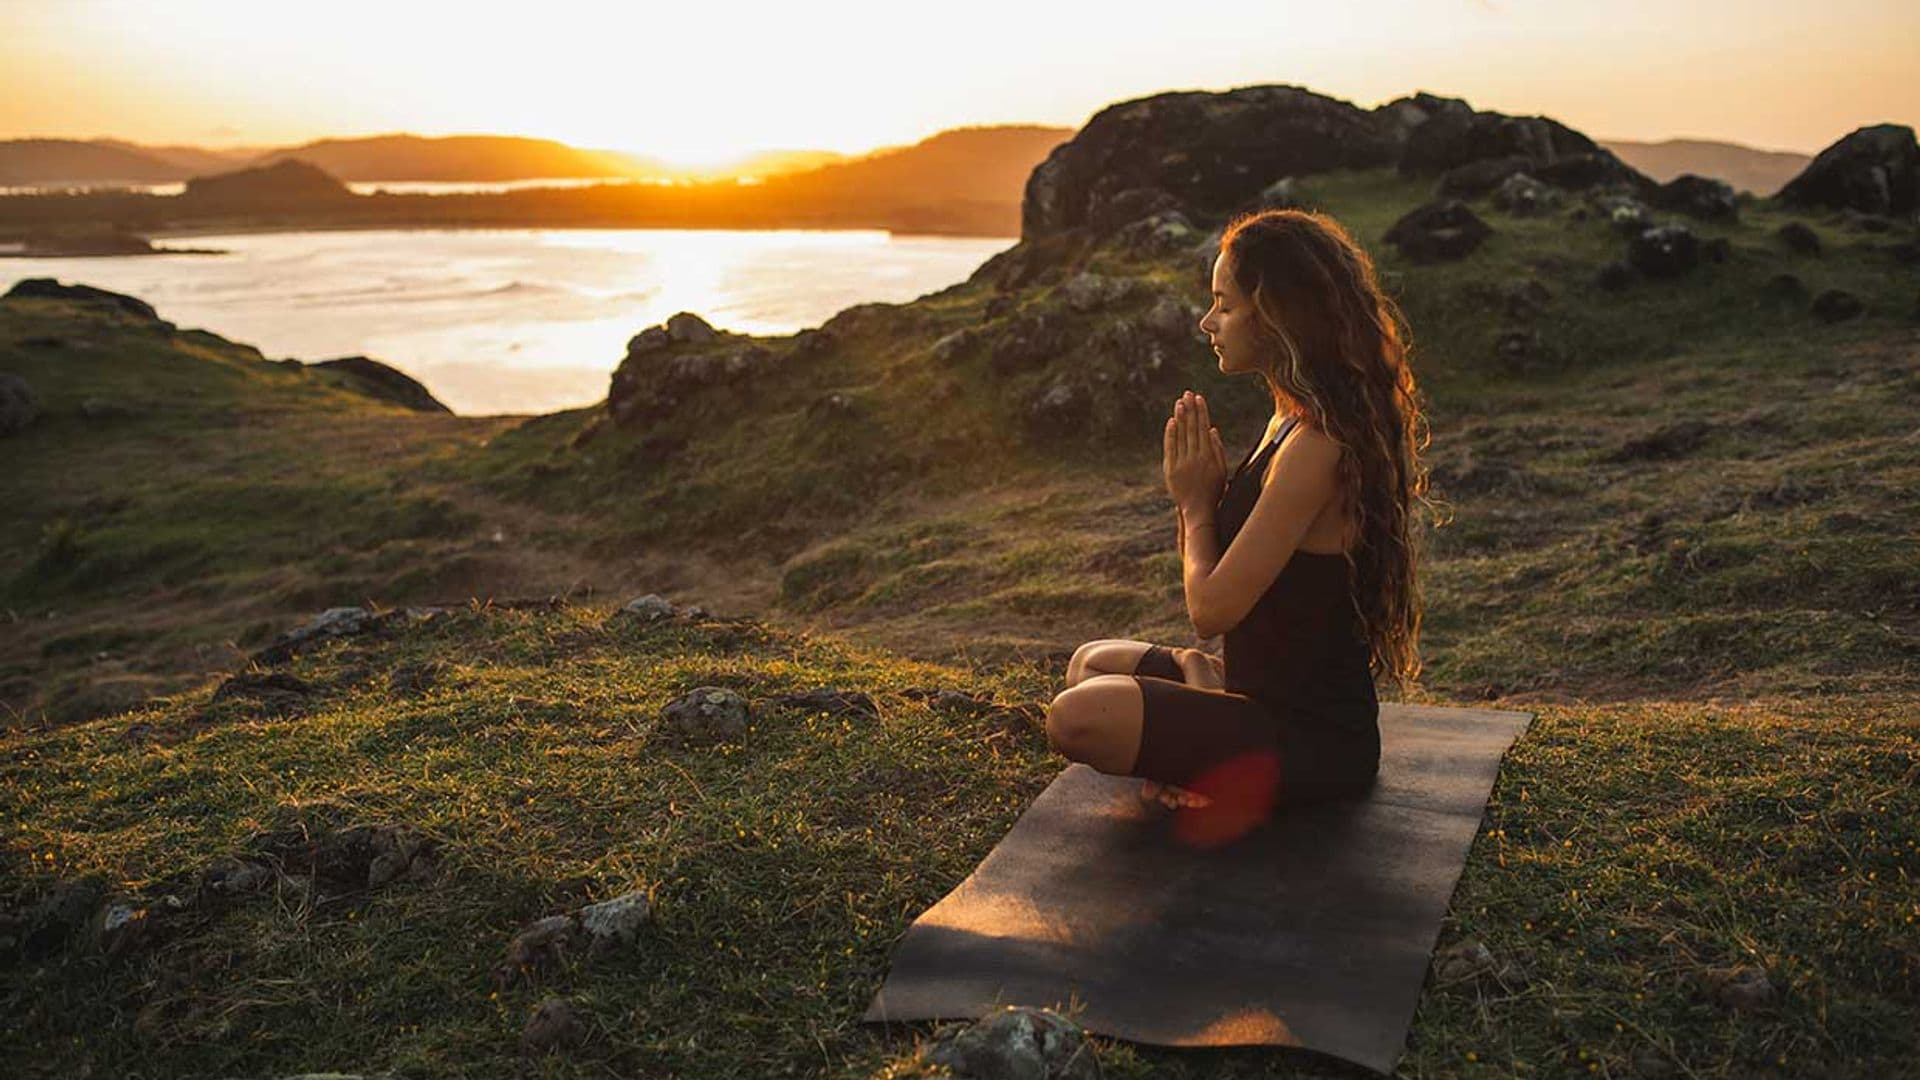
<point x="1313" y="929"/>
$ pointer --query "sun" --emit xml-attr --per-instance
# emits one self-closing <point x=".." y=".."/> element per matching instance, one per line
<point x="706" y="158"/>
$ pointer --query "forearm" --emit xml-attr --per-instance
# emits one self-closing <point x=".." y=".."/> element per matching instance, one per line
<point x="1199" y="551"/>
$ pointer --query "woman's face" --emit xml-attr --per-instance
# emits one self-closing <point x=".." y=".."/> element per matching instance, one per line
<point x="1229" y="323"/>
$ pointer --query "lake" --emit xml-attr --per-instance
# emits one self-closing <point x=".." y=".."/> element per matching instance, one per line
<point x="514" y="320"/>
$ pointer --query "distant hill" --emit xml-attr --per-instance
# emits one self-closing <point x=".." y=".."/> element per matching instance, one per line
<point x="964" y="163"/>
<point x="1762" y="172"/>
<point x="478" y="158"/>
<point x="40" y="161"/>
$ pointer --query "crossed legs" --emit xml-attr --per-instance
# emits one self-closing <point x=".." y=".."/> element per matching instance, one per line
<point x="1098" y="718"/>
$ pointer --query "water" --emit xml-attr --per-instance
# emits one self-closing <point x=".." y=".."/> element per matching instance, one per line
<point x="514" y="320"/>
<point x="358" y="187"/>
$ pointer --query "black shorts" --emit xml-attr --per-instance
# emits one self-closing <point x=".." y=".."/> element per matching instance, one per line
<point x="1202" y="739"/>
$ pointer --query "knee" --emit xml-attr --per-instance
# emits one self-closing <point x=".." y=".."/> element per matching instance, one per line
<point x="1077" y="665"/>
<point x="1068" y="723"/>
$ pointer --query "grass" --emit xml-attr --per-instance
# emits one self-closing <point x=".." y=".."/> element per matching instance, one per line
<point x="1681" y="534"/>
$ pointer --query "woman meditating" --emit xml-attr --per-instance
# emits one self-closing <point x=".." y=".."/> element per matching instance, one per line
<point x="1303" y="558"/>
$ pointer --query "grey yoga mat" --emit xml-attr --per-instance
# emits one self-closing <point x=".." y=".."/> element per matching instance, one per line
<point x="1311" y="929"/>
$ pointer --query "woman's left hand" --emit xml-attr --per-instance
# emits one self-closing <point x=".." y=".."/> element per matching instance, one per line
<point x="1194" y="462"/>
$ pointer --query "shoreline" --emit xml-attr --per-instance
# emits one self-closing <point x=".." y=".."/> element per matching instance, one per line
<point x="184" y="232"/>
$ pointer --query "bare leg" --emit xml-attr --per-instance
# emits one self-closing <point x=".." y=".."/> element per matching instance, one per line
<point x="1119" y="656"/>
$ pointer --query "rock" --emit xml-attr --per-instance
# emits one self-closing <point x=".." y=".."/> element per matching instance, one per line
<point x="119" y="928"/>
<point x="951" y="348"/>
<point x="706" y="714"/>
<point x="1614" y="276"/>
<point x="1018" y="1043"/>
<point x="1173" y="320"/>
<point x="1519" y="349"/>
<point x="651" y="385"/>
<point x="1030" y="340"/>
<point x="650" y="608"/>
<point x="812" y="344"/>
<point x="1525" y="298"/>
<point x="1088" y="292"/>
<point x="833" y="702"/>
<point x="1438" y="230"/>
<point x="231" y="877"/>
<point x="1443" y="133"/>
<point x="1523" y="196"/>
<point x="274" y="693"/>
<point x="1061" y="406"/>
<point x="1798" y="238"/>
<point x="1207" y="153"/>
<point x="1875" y="170"/>
<point x="688" y="327"/>
<point x="1783" y="289"/>
<point x="1282" y="194"/>
<point x="1666" y="251"/>
<point x="613" y="923"/>
<point x="1698" y="196"/>
<point x="1477" y="178"/>
<point x="50" y="289"/>
<point x="651" y="340"/>
<point x="18" y="404"/>
<point x="1463" y="960"/>
<point x="381" y="381"/>
<point x="831" y="406"/>
<point x="332" y="623"/>
<point x="538" y="947"/>
<point x="1837" y="305"/>
<point x="1740" y="988"/>
<point x="1624" y="213"/>
<point x="1669" y="441"/>
<point x="554" y="1024"/>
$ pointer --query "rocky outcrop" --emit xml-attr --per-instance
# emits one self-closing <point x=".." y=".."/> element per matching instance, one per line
<point x="1697" y="196"/>
<point x="1437" y="134"/>
<point x="1875" y="170"/>
<point x="667" y="362"/>
<point x="1202" y="154"/>
<point x="1438" y="231"/>
<point x="378" y="380"/>
<point x="49" y="289"/>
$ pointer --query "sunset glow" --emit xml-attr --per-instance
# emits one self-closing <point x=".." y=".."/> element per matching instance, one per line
<point x="702" y="83"/>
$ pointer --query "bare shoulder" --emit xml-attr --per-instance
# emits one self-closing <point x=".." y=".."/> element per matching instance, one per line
<point x="1308" y="451"/>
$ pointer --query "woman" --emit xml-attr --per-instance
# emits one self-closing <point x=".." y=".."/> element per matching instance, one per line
<point x="1316" y="592"/>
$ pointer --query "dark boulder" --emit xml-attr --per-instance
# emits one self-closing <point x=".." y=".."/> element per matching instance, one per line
<point x="1798" y="238"/>
<point x="1664" y="252"/>
<point x="1440" y="230"/>
<point x="1523" y="196"/>
<point x="1614" y="276"/>
<point x="1476" y="178"/>
<point x="18" y="405"/>
<point x="1697" y="196"/>
<point x="666" y="363"/>
<point x="49" y="289"/>
<point x="1875" y="170"/>
<point x="1441" y="134"/>
<point x="378" y="380"/>
<point x="1210" y="152"/>
<point x="1837" y="305"/>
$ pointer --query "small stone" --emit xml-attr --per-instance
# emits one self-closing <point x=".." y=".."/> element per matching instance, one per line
<point x="1463" y="960"/>
<point x="1743" y="988"/>
<point x="1018" y="1043"/>
<point x="649" y="608"/>
<point x="688" y="327"/>
<point x="554" y="1023"/>
<point x="1798" y="238"/>
<point x="706" y="714"/>
<point x="614" y="922"/>
<point x="536" y="948"/>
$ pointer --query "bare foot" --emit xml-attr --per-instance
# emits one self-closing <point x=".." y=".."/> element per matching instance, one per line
<point x="1173" y="798"/>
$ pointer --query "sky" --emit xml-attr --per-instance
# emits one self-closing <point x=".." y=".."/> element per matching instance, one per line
<point x="700" y="82"/>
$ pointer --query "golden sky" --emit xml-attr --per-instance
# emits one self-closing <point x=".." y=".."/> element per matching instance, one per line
<point x="696" y="82"/>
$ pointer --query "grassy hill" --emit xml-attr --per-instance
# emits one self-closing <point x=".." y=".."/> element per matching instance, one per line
<point x="1682" y="533"/>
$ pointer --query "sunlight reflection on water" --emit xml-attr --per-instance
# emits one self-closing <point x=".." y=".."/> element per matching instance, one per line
<point x="514" y="320"/>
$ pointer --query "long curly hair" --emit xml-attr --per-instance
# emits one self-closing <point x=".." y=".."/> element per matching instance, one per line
<point x="1340" y="358"/>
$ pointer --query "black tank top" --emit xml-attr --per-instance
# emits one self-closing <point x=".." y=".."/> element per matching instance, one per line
<point x="1300" y="647"/>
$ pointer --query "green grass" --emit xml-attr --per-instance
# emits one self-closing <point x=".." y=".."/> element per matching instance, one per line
<point x="1719" y="644"/>
<point x="1628" y="852"/>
